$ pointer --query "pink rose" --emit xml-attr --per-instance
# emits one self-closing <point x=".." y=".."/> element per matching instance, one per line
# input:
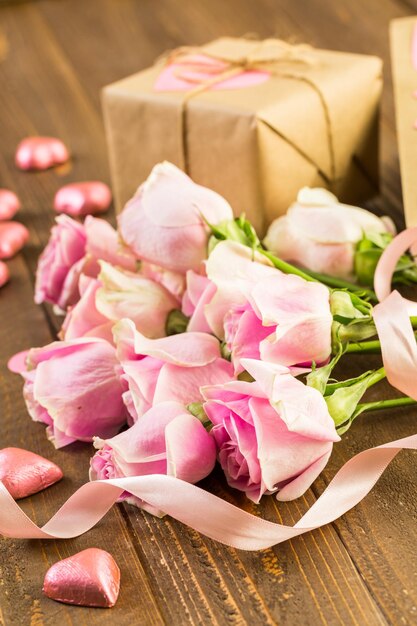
<point x="74" y="249"/>
<point x="174" y="282"/>
<point x="170" y="368"/>
<point x="164" y="223"/>
<point x="115" y="295"/>
<point x="321" y="234"/>
<point x="60" y="264"/>
<point x="274" y="435"/>
<point x="76" y="388"/>
<point x="234" y="269"/>
<point x="199" y="292"/>
<point x="166" y="440"/>
<point x="286" y="321"/>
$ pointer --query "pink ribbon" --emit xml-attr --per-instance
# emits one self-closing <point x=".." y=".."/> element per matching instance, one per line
<point x="201" y="510"/>
<point x="392" y="318"/>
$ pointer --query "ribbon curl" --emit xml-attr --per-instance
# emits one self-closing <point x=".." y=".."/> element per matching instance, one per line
<point x="201" y="510"/>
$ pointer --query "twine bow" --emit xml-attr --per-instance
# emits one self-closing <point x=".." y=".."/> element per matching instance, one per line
<point x="265" y="56"/>
<point x="272" y="55"/>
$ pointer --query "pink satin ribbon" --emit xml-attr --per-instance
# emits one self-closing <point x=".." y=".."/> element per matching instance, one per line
<point x="392" y="319"/>
<point x="219" y="519"/>
<point x="201" y="510"/>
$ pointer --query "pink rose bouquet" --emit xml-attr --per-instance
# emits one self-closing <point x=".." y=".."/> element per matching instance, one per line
<point x="185" y="337"/>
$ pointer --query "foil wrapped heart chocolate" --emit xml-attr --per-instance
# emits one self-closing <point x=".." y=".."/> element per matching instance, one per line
<point x="40" y="153"/>
<point x="24" y="473"/>
<point x="88" y="578"/>
<point x="4" y="273"/>
<point x="13" y="237"/>
<point x="9" y="204"/>
<point x="86" y="198"/>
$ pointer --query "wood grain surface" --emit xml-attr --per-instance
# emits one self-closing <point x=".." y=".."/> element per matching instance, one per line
<point x="54" y="58"/>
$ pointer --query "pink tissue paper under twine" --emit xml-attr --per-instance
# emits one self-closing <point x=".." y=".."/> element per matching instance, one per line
<point x="221" y="520"/>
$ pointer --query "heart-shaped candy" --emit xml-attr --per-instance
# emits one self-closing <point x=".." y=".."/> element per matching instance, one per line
<point x="87" y="198"/>
<point x="40" y="153"/>
<point x="9" y="204"/>
<point x="24" y="473"/>
<point x="4" y="273"/>
<point x="88" y="578"/>
<point x="13" y="237"/>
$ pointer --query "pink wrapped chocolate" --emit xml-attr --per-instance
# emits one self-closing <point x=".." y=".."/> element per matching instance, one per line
<point x="24" y="473"/>
<point x="40" y="153"/>
<point x="87" y="198"/>
<point x="88" y="578"/>
<point x="13" y="237"/>
<point x="9" y="204"/>
<point x="4" y="274"/>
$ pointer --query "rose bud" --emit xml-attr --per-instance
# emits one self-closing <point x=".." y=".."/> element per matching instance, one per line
<point x="321" y="234"/>
<point x="40" y="153"/>
<point x="75" y="388"/>
<point x="165" y="222"/>
<point x="286" y="320"/>
<point x="74" y="249"/>
<point x="166" y="440"/>
<point x="61" y="263"/>
<point x="79" y="199"/>
<point x="13" y="237"/>
<point x="117" y="294"/>
<point x="274" y="435"/>
<point x="9" y="204"/>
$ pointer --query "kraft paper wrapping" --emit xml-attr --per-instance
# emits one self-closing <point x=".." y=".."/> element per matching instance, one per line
<point x="405" y="85"/>
<point x="309" y="124"/>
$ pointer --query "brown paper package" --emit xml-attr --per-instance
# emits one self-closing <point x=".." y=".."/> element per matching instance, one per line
<point x="310" y="124"/>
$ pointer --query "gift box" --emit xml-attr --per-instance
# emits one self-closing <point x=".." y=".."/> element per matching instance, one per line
<point x="253" y="120"/>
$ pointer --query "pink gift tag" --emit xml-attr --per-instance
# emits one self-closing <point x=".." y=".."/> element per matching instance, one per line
<point x="196" y="69"/>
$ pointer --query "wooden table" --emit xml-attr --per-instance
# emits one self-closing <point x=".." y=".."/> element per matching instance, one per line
<point x="360" y="570"/>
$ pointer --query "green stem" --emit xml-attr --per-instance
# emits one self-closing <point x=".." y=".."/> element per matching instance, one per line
<point x="383" y="404"/>
<point x="373" y="346"/>
<point x="330" y="281"/>
<point x="376" y="377"/>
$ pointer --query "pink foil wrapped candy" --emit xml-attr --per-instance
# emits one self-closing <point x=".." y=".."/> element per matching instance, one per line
<point x="24" y="473"/>
<point x="13" y="237"/>
<point x="4" y="273"/>
<point x="40" y="153"/>
<point x="88" y="578"/>
<point x="9" y="204"/>
<point x="87" y="198"/>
